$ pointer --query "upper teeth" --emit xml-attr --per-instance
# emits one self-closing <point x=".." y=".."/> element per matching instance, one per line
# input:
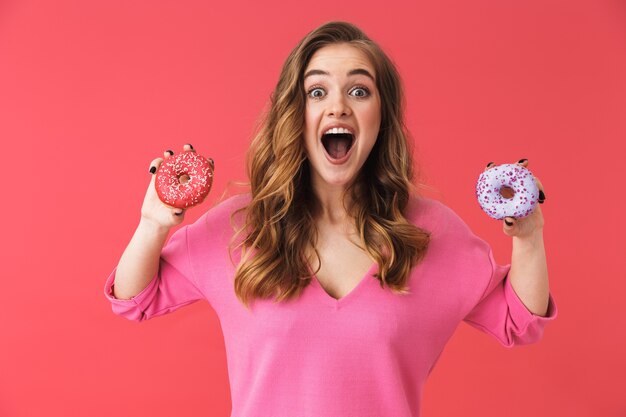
<point x="337" y="130"/>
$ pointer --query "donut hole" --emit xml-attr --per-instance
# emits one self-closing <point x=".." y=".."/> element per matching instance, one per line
<point x="183" y="179"/>
<point x="507" y="192"/>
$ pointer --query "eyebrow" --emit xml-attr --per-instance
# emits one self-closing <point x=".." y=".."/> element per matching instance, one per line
<point x="355" y="71"/>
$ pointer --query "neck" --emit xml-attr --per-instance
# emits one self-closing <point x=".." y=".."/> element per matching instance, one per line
<point x="331" y="204"/>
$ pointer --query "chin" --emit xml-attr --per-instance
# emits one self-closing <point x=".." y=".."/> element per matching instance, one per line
<point x="338" y="180"/>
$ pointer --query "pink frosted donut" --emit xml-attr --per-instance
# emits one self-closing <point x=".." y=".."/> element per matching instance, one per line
<point x="184" y="180"/>
<point x="514" y="176"/>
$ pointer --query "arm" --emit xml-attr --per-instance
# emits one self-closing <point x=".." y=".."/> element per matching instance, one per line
<point x="140" y="261"/>
<point x="529" y="270"/>
<point x="517" y="303"/>
<point x="153" y="278"/>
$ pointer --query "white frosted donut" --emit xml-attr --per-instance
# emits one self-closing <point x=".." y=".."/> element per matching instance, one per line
<point x="514" y="176"/>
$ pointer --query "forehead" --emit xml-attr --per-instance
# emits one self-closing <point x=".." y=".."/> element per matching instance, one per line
<point x="339" y="56"/>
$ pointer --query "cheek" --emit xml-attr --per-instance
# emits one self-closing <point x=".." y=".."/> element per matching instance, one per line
<point x="308" y="137"/>
<point x="311" y="124"/>
<point x="307" y="117"/>
<point x="374" y="115"/>
<point x="311" y="112"/>
<point x="372" y="119"/>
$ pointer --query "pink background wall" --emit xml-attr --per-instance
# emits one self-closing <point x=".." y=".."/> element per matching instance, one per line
<point x="91" y="92"/>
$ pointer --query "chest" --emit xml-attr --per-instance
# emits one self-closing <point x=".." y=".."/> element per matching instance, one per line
<point x="344" y="264"/>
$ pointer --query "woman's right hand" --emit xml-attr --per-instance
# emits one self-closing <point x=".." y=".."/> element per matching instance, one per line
<point x="153" y="210"/>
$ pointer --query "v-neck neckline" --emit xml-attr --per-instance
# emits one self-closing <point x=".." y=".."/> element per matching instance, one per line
<point x="337" y="303"/>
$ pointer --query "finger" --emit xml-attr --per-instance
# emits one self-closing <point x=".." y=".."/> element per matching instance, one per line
<point x="542" y="194"/>
<point x="154" y="165"/>
<point x="168" y="153"/>
<point x="542" y="197"/>
<point x="179" y="212"/>
<point x="523" y="162"/>
<point x="509" y="222"/>
<point x="188" y="147"/>
<point x="490" y="165"/>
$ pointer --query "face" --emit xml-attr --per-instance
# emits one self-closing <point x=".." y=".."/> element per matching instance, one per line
<point x="340" y="92"/>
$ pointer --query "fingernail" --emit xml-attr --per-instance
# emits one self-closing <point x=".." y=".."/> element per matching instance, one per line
<point x="171" y="152"/>
<point x="152" y="170"/>
<point x="190" y="145"/>
<point x="542" y="196"/>
<point x="521" y="161"/>
<point x="507" y="222"/>
<point x="489" y="164"/>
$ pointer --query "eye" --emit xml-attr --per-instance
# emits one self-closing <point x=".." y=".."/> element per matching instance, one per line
<point x="361" y="92"/>
<point x="315" y="92"/>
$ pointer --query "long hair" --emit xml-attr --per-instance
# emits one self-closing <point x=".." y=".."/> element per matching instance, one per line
<point x="279" y="223"/>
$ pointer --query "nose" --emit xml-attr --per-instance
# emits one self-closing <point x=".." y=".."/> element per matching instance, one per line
<point x="338" y="106"/>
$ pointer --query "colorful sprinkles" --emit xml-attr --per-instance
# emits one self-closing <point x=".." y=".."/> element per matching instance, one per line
<point x="520" y="179"/>
<point x="172" y="191"/>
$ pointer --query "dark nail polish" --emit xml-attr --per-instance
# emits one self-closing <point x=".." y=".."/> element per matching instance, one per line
<point x="542" y="196"/>
<point x="170" y="152"/>
<point x="507" y="223"/>
<point x="152" y="170"/>
<point x="521" y="161"/>
<point x="191" y="147"/>
<point x="489" y="164"/>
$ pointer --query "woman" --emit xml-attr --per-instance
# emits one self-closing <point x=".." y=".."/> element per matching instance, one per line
<point x="337" y="286"/>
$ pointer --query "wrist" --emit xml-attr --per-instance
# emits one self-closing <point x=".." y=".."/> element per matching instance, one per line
<point x="153" y="228"/>
<point x="531" y="241"/>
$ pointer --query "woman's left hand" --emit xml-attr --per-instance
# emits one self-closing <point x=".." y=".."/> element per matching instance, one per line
<point x="529" y="225"/>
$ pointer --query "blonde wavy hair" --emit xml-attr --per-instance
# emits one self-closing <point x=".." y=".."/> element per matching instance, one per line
<point x="279" y="223"/>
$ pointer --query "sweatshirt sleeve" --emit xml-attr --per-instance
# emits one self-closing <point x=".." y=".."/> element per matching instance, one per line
<point x="501" y="314"/>
<point x="172" y="287"/>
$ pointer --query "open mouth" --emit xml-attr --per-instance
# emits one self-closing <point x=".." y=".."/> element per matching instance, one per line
<point x="337" y="145"/>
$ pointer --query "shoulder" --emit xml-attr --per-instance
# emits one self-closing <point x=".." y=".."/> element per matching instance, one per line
<point x="433" y="215"/>
<point x="219" y="217"/>
<point x="228" y="206"/>
<point x="452" y="240"/>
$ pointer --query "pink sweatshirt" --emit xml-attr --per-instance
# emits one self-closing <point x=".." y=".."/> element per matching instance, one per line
<point x="366" y="354"/>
